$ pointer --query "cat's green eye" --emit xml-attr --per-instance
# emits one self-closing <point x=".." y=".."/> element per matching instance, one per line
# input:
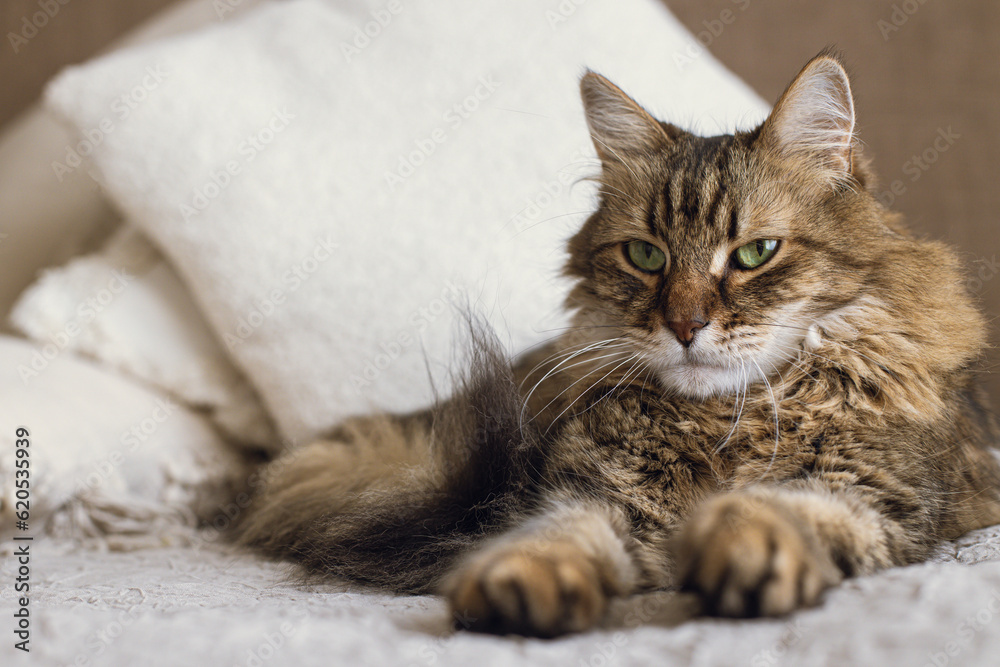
<point x="645" y="256"/>
<point x="754" y="254"/>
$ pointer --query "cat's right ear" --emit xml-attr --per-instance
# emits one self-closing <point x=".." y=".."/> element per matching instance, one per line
<point x="618" y="125"/>
<point x="813" y="121"/>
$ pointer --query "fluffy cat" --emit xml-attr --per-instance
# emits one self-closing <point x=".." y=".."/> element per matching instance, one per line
<point x="769" y="386"/>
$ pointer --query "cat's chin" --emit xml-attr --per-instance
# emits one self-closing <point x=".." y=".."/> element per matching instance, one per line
<point x="701" y="381"/>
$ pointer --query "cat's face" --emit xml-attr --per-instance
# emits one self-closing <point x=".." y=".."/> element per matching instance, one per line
<point x="720" y="256"/>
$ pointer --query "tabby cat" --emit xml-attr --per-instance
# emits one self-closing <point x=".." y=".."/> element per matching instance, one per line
<point x="770" y="385"/>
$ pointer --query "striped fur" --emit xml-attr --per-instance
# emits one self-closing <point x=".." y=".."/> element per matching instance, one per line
<point x="823" y="422"/>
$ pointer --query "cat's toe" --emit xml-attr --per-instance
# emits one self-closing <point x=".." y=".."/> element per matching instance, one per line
<point x="543" y="594"/>
<point x="745" y="557"/>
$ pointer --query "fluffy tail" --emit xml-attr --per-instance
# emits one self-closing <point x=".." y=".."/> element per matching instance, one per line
<point x="392" y="500"/>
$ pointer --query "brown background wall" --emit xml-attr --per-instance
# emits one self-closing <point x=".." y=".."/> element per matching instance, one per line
<point x="78" y="30"/>
<point x="930" y="67"/>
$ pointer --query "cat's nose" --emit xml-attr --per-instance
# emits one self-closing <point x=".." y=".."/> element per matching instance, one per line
<point x="685" y="330"/>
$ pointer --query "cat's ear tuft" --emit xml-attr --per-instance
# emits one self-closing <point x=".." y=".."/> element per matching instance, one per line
<point x="814" y="118"/>
<point x="618" y="125"/>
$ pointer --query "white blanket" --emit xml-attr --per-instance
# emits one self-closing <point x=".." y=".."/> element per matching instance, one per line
<point x="211" y="607"/>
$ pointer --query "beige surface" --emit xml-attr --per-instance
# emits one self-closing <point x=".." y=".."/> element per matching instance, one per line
<point x="75" y="31"/>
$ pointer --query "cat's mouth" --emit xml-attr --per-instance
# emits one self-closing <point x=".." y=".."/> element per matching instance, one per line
<point x="699" y="373"/>
<point x="713" y="365"/>
<point x="696" y="359"/>
<point x="695" y="364"/>
<point x="700" y="380"/>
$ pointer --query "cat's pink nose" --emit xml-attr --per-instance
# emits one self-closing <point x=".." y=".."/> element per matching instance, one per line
<point x="686" y="330"/>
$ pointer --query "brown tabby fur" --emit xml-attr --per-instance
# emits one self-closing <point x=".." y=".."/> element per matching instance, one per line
<point x="848" y="435"/>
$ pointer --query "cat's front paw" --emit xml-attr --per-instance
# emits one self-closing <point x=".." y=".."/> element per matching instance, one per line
<point x="541" y="593"/>
<point x="744" y="556"/>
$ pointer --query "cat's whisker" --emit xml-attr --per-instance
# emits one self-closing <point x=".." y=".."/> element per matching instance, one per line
<point x="799" y="350"/>
<point x="562" y="349"/>
<point x="777" y="371"/>
<point x="627" y="378"/>
<point x="615" y="153"/>
<point x="573" y="384"/>
<point x="645" y="381"/>
<point x="777" y="423"/>
<point x="581" y="327"/>
<point x="623" y="380"/>
<point x="560" y="334"/>
<point x="570" y="353"/>
<point x="800" y="367"/>
<point x="527" y="398"/>
<point x="745" y="377"/>
<point x="588" y="348"/>
<point x="549" y="219"/>
<point x="588" y="389"/>
<point x="579" y="363"/>
<point x="618" y="193"/>
<point x="829" y="340"/>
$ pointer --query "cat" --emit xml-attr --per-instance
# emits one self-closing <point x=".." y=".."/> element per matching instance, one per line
<point x="769" y="385"/>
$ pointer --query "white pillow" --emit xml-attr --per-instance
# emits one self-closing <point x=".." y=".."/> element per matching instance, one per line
<point x="110" y="459"/>
<point x="125" y="306"/>
<point x="328" y="181"/>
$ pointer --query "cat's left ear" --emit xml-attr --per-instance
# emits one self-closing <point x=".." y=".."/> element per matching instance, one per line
<point x="814" y="119"/>
<point x="618" y="125"/>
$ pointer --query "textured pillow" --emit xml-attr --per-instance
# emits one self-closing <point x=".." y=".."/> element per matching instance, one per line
<point x="110" y="459"/>
<point x="125" y="306"/>
<point x="330" y="181"/>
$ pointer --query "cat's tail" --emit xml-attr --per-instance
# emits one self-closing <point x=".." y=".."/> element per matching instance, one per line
<point x="392" y="500"/>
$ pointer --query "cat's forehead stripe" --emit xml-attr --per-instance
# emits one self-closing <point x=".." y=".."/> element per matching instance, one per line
<point x="712" y="211"/>
<point x="653" y="215"/>
<point x="690" y="205"/>
<point x="696" y="192"/>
